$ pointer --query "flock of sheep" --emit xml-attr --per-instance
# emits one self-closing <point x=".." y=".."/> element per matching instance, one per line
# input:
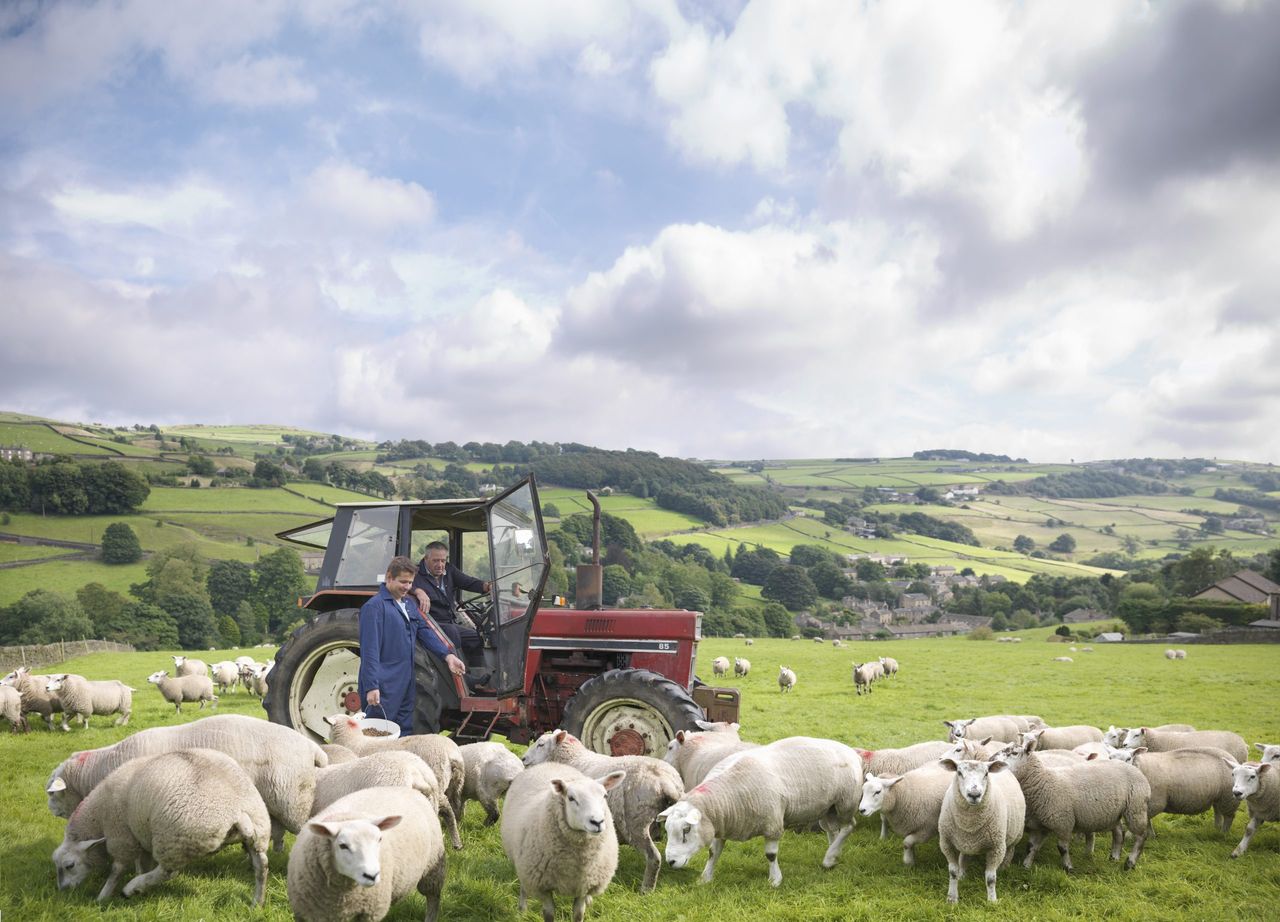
<point x="371" y="814"/>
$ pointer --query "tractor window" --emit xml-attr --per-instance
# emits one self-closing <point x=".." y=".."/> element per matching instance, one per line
<point x="475" y="549"/>
<point x="517" y="553"/>
<point x="370" y="545"/>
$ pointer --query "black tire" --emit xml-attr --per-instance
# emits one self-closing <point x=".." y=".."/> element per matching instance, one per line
<point x="630" y="712"/>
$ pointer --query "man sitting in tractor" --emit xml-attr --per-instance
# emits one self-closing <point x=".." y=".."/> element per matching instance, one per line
<point x="436" y="584"/>
<point x="388" y="630"/>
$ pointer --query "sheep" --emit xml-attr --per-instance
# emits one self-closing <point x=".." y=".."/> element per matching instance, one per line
<point x="184" y="688"/>
<point x="1164" y="740"/>
<point x="1063" y="659"/>
<point x="281" y="762"/>
<point x="490" y="769"/>
<point x="863" y="676"/>
<point x="1091" y="796"/>
<point x="1004" y="729"/>
<point x="174" y="808"/>
<point x="1027" y="722"/>
<point x="1115" y="736"/>
<point x="877" y="670"/>
<point x="790" y="783"/>
<point x="1259" y="784"/>
<point x="1063" y="737"/>
<point x="1170" y="654"/>
<point x="81" y="698"/>
<point x="1185" y="781"/>
<point x="720" y="665"/>
<point x="1270" y="754"/>
<point x="837" y="643"/>
<point x="558" y="832"/>
<point x="819" y="640"/>
<point x="338" y="755"/>
<point x="786" y="679"/>
<point x="890" y="665"/>
<point x="225" y="675"/>
<point x="185" y="665"/>
<point x="1086" y="649"/>
<point x="439" y="752"/>
<point x="983" y="812"/>
<point x="981" y="750"/>
<point x="909" y="804"/>
<point x="741" y="666"/>
<point x="367" y="850"/>
<point x="35" y="699"/>
<point x="749" y="642"/>
<point x="1015" y="640"/>
<point x="1093" y="748"/>
<point x="257" y="683"/>
<point x="1180" y="654"/>
<point x="651" y="786"/>
<point x="693" y="755"/>
<point x="376" y="770"/>
<point x="884" y="762"/>
<point x="11" y="709"/>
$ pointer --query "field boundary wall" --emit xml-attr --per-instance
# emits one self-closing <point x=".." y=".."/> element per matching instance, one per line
<point x="36" y="655"/>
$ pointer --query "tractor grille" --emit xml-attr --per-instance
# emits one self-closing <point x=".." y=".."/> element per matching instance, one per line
<point x="599" y="625"/>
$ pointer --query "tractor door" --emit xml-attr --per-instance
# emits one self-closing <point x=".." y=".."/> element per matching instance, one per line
<point x="519" y="559"/>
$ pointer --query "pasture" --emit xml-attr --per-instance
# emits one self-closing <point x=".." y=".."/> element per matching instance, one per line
<point x="1184" y="872"/>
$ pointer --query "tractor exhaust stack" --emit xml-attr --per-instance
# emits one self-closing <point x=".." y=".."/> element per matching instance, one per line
<point x="590" y="594"/>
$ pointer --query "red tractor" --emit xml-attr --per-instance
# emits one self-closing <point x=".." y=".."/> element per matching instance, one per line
<point x="621" y="680"/>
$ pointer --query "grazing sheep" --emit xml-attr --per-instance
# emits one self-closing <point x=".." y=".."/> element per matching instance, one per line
<point x="376" y="770"/>
<point x="1185" y="781"/>
<point x="720" y="665"/>
<point x="1086" y="649"/>
<point x="439" y="752"/>
<point x="1004" y="729"/>
<point x="1170" y="654"/>
<point x="818" y="640"/>
<point x="1063" y="737"/>
<point x="11" y="709"/>
<point x="490" y="769"/>
<point x="1115" y="736"/>
<point x="741" y="666"/>
<point x="786" y="679"/>
<point x="1180" y="654"/>
<point x="983" y="812"/>
<point x="788" y="784"/>
<point x="749" y="642"/>
<point x="837" y="643"/>
<point x="366" y="851"/>
<point x="31" y="689"/>
<point x="909" y="804"/>
<point x="1259" y="784"/>
<point x="1092" y="796"/>
<point x="1164" y="740"/>
<point x="694" y="755"/>
<point x="1015" y="640"/>
<point x="1270" y="754"/>
<point x="650" y="787"/>
<point x="890" y="665"/>
<point x="281" y="762"/>
<point x="174" y="808"/>
<point x="558" y="832"/>
<point x="1063" y="659"/>
<point x="185" y="665"/>
<point x="184" y="688"/>
<point x="80" y="698"/>
<point x="225" y="675"/>
<point x="863" y="676"/>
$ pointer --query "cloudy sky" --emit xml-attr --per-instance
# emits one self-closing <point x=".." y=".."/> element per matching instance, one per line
<point x="718" y="229"/>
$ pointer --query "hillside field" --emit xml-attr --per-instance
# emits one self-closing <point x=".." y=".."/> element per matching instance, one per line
<point x="1183" y="874"/>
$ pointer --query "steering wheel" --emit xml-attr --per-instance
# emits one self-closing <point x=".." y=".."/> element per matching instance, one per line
<point x="480" y="610"/>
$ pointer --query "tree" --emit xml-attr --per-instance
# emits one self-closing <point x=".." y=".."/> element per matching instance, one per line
<point x="202" y="465"/>
<point x="1024" y="545"/>
<point x="266" y="473"/>
<point x="1197" y="623"/>
<point x="281" y="581"/>
<point x="755" y="566"/>
<point x="1212" y="525"/>
<point x="1063" y="544"/>
<point x="1272" y="571"/>
<point x="120" y="544"/>
<point x="550" y="511"/>
<point x="868" y="570"/>
<point x="230" y="582"/>
<point x="724" y="590"/>
<point x="44" y="616"/>
<point x="58" y="488"/>
<point x="193" y="616"/>
<point x="778" y="621"/>
<point x="928" y="495"/>
<point x="112" y="489"/>
<point x="229" y="631"/>
<point x="831" y="582"/>
<point x="15" y="493"/>
<point x="616" y="583"/>
<point x="101" y="605"/>
<point x="791" y="586"/>
<point x="247" y="622"/>
<point x="809" y="555"/>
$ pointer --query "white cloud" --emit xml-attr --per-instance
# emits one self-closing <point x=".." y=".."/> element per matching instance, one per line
<point x="258" y="82"/>
<point x="352" y="196"/>
<point x="178" y="207"/>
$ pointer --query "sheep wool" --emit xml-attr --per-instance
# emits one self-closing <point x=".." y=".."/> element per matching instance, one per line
<point x="178" y="689"/>
<point x="1064" y="737"/>
<point x="787" y="678"/>
<point x="741" y="666"/>
<point x="1164" y="740"/>
<point x="81" y="698"/>
<point x="376" y="770"/>
<point x="1258" y="783"/>
<point x="694" y="754"/>
<point x="983" y="812"/>
<point x="909" y="804"/>
<point x="1002" y="728"/>
<point x="35" y="697"/>
<point x="185" y="665"/>
<point x="720" y="665"/>
<point x="11" y="709"/>
<point x="490" y="769"/>
<point x="1186" y="782"/>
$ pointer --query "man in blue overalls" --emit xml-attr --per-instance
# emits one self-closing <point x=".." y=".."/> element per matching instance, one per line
<point x="389" y="626"/>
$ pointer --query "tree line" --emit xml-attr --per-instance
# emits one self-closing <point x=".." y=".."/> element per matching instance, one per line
<point x="63" y="487"/>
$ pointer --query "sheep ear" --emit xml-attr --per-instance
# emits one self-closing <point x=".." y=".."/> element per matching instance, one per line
<point x="1090" y="757"/>
<point x="1260" y="747"/>
<point x="680" y="735"/>
<point x="328" y="830"/>
<point x="985" y="741"/>
<point x="949" y="764"/>
<point x="612" y="780"/>
<point x="702" y="725"/>
<point x="1231" y="763"/>
<point x="694" y="816"/>
<point x="890" y="780"/>
<point x="57" y="784"/>
<point x="866" y="755"/>
<point x="558" y="785"/>
<point x="87" y="844"/>
<point x="1265" y="767"/>
<point x="665" y="813"/>
<point x="386" y="822"/>
<point x="560" y="735"/>
<point x="997" y="765"/>
<point x="328" y="720"/>
<point x="1139" y="751"/>
<point x="949" y="723"/>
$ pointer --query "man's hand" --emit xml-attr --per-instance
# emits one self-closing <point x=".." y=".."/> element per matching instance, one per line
<point x="486" y="586"/>
<point x="373" y="698"/>
<point x="456" y="666"/>
<point x="422" y="599"/>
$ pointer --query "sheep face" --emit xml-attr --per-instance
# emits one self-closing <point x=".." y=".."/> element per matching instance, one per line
<point x="583" y="801"/>
<point x="544" y="746"/>
<point x="1135" y="738"/>
<point x="688" y="832"/>
<point x="55" y="683"/>
<point x="1122" y="755"/>
<point x="62" y="800"/>
<point x="972" y="777"/>
<point x="356" y="846"/>
<point x="1270" y="754"/>
<point x="1115" y="736"/>
<point x="873" y="789"/>
<point x="1246" y="779"/>
<point x="75" y="861"/>
<point x="178" y="661"/>
<point x="956" y="728"/>
<point x="158" y="676"/>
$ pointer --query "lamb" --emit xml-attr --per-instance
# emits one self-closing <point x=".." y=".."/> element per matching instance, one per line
<point x="890" y="665"/>
<point x="557" y="831"/>
<point x="651" y="786"/>
<point x="490" y="769"/>
<point x="790" y="783"/>
<point x="695" y="754"/>
<point x="185" y="665"/>
<point x="877" y="670"/>
<point x="184" y="688"/>
<point x="909" y="804"/>
<point x="720" y="665"/>
<point x="439" y="752"/>
<point x="1270" y="754"/>
<point x="741" y="666"/>
<point x="1259" y="784"/>
<point x="1004" y="729"/>
<point x="884" y="762"/>
<point x="81" y="698"/>
<point x="1170" y="654"/>
<point x="1092" y="796"/>
<point x="225" y="675"/>
<point x="1115" y="736"/>
<point x="280" y="761"/>
<point x="376" y="770"/>
<point x="983" y="812"/>
<point x="863" y="676"/>
<point x="367" y="850"/>
<point x="338" y="755"/>
<point x="11" y="709"/>
<point x="257" y="683"/>
<point x="174" y="807"/>
<point x="786" y="679"/>
<point x="35" y="699"/>
<point x="1185" y="781"/>
<point x="1063" y="737"/>
<point x="1164" y="740"/>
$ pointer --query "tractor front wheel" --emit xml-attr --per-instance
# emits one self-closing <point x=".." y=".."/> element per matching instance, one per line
<point x="630" y="712"/>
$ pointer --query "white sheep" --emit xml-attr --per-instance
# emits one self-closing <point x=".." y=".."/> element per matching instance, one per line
<point x="174" y="808"/>
<point x="890" y="665"/>
<point x="338" y="755"/>
<point x="1115" y="736"/>
<point x="281" y="762"/>
<point x="1086" y="649"/>
<point x="837" y="643"/>
<point x="1002" y="728"/>
<point x="257" y="683"/>
<point x="1093" y="748"/>
<point x="1170" y="654"/>
<point x="225" y="674"/>
<point x="31" y="689"/>
<point x="749" y="642"/>
<point x="1068" y="737"/>
<point x="178" y="689"/>
<point x="11" y="709"/>
<point x="720" y="665"/>
<point x="81" y="698"/>
<point x="186" y="665"/>
<point x="884" y="762"/>
<point x="741" y="666"/>
<point x="490" y="769"/>
<point x="1063" y="659"/>
<point x="1259" y="784"/>
<point x="1270" y="754"/>
<point x="786" y="679"/>
<point x="376" y="770"/>
<point x="983" y="813"/>
<point x="651" y="786"/>
<point x="1185" y="781"/>
<point x="695" y="754"/>
<point x="1180" y="654"/>
<point x="367" y="850"/>
<point x="558" y="832"/>
<point x="1164" y="740"/>
<point x="788" y="784"/>
<point x="1090" y="796"/>
<point x="909" y="804"/>
<point x="863" y="677"/>
<point x="819" y="640"/>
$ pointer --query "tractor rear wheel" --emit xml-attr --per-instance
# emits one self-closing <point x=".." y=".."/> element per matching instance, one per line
<point x="630" y="712"/>
<point x="317" y="675"/>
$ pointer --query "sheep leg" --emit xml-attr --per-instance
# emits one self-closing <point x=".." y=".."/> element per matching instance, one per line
<point x="259" y="857"/>
<point x="113" y="879"/>
<point x="490" y="812"/>
<point x="1034" y="840"/>
<point x="549" y="908"/>
<point x="652" y="861"/>
<point x="837" y="844"/>
<point x="884" y="827"/>
<point x="909" y="844"/>
<point x="579" y="908"/>
<point x="277" y="835"/>
<point x="1248" y="835"/>
<point x="1064" y="849"/>
<point x="157" y="875"/>
<point x="450" y="822"/>
<point x="430" y="886"/>
<point x="716" y="846"/>
<point x="522" y="901"/>
<point x="1088" y="842"/>
<point x="995" y="858"/>
<point x="771" y="855"/>
<point x="1117" y="842"/>
<point x="1139" y="839"/>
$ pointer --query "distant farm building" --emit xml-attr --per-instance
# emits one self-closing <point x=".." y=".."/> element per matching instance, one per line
<point x="1244" y="586"/>
<point x="15" y="453"/>
<point x="1081" y="615"/>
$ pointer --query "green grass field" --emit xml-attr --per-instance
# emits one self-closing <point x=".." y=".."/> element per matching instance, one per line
<point x="228" y="499"/>
<point x="66" y="576"/>
<point x="11" y="552"/>
<point x="1184" y="873"/>
<point x="39" y="437"/>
